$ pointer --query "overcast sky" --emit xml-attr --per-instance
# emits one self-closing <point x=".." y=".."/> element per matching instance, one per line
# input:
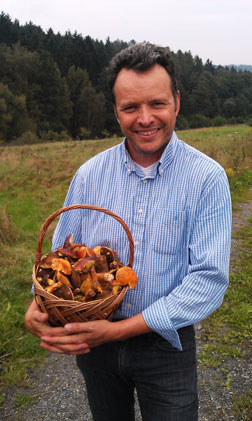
<point x="220" y="30"/>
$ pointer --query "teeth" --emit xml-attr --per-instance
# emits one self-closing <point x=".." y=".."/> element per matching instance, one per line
<point x="150" y="132"/>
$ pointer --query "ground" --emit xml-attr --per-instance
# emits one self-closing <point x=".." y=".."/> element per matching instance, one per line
<point x="57" y="390"/>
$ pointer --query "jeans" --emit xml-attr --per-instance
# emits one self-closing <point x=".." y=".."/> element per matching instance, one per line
<point x="164" y="377"/>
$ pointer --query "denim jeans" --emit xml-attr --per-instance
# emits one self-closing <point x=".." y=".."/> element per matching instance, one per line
<point x="164" y="377"/>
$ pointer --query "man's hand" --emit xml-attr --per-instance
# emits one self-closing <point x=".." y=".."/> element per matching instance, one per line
<point x="37" y="323"/>
<point x="80" y="337"/>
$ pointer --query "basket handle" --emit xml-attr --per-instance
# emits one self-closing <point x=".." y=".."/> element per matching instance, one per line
<point x="80" y="206"/>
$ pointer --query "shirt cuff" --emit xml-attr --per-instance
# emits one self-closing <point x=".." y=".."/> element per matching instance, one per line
<point x="157" y="319"/>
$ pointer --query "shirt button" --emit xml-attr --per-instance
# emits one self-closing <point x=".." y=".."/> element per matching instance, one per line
<point x="140" y="210"/>
<point x="145" y="181"/>
<point x="136" y="243"/>
<point x="128" y="305"/>
<point x="161" y="171"/>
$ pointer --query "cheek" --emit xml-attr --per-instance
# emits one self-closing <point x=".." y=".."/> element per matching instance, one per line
<point x="126" y="123"/>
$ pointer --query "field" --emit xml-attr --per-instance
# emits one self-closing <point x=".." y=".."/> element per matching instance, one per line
<point x="33" y="182"/>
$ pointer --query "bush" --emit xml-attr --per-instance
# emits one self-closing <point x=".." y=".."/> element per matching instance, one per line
<point x="105" y="134"/>
<point x="53" y="136"/>
<point x="219" y="121"/>
<point x="250" y="122"/>
<point x="232" y="120"/>
<point x="199" y="120"/>
<point x="182" y="123"/>
<point x="84" y="133"/>
<point x="28" y="137"/>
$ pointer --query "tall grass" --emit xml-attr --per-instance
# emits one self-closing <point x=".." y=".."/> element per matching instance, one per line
<point x="33" y="182"/>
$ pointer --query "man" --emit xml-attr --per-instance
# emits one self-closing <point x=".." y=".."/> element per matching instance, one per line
<point x="176" y="203"/>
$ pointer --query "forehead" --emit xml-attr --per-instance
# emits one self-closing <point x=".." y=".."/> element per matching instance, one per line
<point x="152" y="81"/>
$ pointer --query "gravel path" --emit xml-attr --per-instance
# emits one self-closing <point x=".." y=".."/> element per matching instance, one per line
<point x="59" y="393"/>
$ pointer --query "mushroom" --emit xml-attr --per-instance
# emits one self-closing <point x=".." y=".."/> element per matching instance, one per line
<point x="63" y="279"/>
<point x="75" y="279"/>
<point x="105" y="279"/>
<point x="101" y="264"/>
<point x="125" y="276"/>
<point x="46" y="261"/>
<point x="68" y="253"/>
<point x="68" y="242"/>
<point x="84" y="265"/>
<point x="62" y="265"/>
<point x="64" y="292"/>
<point x="105" y="251"/>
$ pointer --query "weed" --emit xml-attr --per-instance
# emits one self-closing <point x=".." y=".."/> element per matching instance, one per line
<point x="242" y="406"/>
<point x="22" y="401"/>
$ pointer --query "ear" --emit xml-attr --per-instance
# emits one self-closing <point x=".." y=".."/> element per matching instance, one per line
<point x="177" y="106"/>
<point x="116" y="114"/>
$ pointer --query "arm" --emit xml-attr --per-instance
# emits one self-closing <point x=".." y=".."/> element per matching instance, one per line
<point x="202" y="289"/>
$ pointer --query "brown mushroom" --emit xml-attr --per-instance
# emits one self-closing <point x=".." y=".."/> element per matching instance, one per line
<point x="63" y="279"/>
<point x="68" y="241"/>
<point x="62" y="265"/>
<point x="46" y="261"/>
<point x="84" y="265"/>
<point x="126" y="276"/>
<point x="67" y="252"/>
<point x="101" y="264"/>
<point x="64" y="292"/>
<point x="75" y="279"/>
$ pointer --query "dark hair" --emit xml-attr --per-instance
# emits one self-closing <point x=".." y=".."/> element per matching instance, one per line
<point x="141" y="57"/>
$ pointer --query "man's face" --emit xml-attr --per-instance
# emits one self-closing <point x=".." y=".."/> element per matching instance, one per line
<point x="146" y="111"/>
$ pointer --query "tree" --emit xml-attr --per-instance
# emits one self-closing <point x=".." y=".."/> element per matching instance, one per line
<point x="14" y="119"/>
<point x="77" y="80"/>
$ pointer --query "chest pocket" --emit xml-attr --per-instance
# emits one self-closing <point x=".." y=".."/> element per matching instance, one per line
<point x="170" y="231"/>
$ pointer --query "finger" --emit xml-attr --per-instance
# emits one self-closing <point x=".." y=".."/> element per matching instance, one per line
<point x="84" y="326"/>
<point x="66" y="349"/>
<point x="77" y="327"/>
<point x="63" y="340"/>
<point x="54" y="331"/>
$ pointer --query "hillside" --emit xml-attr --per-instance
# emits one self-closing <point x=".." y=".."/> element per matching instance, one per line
<point x="241" y="67"/>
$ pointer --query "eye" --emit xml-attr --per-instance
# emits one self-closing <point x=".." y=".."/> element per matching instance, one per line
<point x="158" y="103"/>
<point x="129" y="108"/>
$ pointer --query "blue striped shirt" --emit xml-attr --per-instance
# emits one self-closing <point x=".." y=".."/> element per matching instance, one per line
<point x="180" y="219"/>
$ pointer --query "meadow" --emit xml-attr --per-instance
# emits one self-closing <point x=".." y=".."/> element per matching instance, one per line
<point x="33" y="182"/>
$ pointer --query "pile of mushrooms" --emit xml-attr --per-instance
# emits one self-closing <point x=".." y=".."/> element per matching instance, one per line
<point x="77" y="272"/>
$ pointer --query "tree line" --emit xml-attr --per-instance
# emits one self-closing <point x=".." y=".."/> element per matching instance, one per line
<point x="54" y="86"/>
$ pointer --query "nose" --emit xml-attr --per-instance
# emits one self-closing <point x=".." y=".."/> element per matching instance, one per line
<point x="145" y="117"/>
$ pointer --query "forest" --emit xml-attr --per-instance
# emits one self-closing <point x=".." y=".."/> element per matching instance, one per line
<point x="54" y="87"/>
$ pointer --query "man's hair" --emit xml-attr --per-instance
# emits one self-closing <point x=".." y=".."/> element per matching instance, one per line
<point x="141" y="57"/>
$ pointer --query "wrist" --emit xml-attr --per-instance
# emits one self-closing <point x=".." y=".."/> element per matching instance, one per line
<point x="127" y="328"/>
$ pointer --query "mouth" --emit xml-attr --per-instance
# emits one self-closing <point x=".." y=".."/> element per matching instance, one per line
<point x="147" y="132"/>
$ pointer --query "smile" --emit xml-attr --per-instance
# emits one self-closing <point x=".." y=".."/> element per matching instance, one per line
<point x="147" y="133"/>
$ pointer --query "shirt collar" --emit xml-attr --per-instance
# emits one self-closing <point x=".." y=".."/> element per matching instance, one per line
<point x="164" y="161"/>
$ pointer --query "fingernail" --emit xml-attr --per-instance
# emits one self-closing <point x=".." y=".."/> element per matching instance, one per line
<point x="68" y="327"/>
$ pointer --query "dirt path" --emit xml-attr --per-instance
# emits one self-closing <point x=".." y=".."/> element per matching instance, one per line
<point x="58" y="391"/>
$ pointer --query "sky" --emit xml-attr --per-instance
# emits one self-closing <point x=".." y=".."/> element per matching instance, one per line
<point x="218" y="30"/>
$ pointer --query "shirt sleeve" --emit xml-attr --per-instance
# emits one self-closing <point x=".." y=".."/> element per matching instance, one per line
<point x="203" y="288"/>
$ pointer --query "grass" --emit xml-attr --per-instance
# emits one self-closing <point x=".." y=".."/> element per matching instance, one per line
<point x="242" y="406"/>
<point x="33" y="182"/>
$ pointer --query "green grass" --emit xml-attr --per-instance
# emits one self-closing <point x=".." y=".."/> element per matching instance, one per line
<point x="229" y="328"/>
<point x="242" y="406"/>
<point x="33" y="183"/>
<point x="22" y="401"/>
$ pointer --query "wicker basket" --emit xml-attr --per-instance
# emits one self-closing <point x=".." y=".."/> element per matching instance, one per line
<point x="64" y="311"/>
